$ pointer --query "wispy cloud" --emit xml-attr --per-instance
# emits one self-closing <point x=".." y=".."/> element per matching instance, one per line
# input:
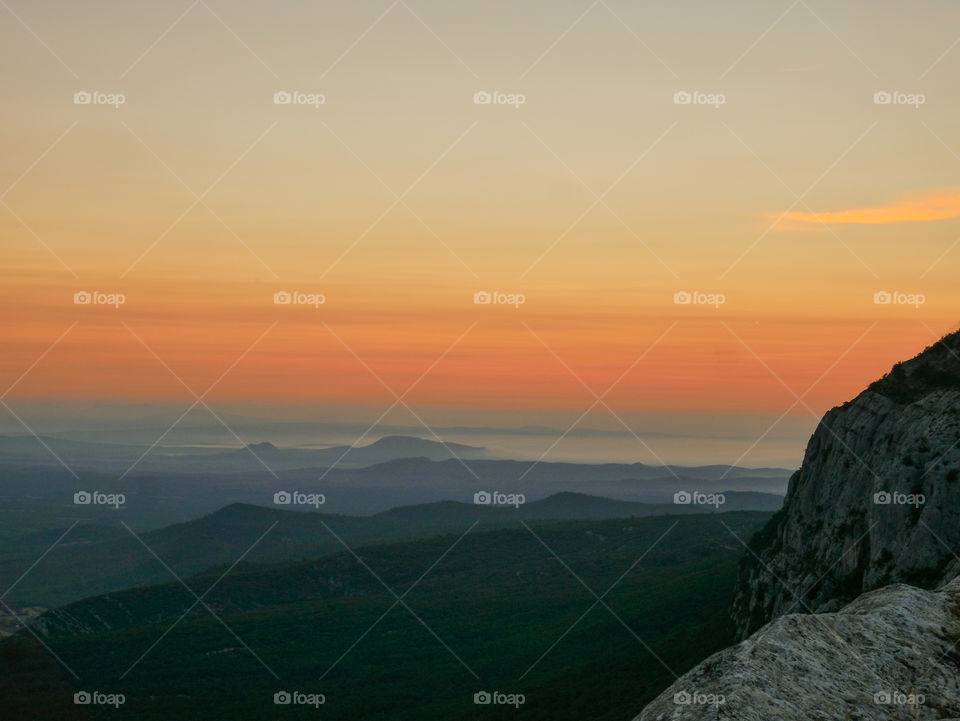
<point x="940" y="204"/>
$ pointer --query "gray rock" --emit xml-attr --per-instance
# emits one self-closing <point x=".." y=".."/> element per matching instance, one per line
<point x="890" y="654"/>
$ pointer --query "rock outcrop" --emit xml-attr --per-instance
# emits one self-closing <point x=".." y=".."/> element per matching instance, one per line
<point x="891" y="654"/>
<point x="876" y="501"/>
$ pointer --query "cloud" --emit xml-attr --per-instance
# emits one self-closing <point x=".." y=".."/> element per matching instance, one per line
<point x="936" y="205"/>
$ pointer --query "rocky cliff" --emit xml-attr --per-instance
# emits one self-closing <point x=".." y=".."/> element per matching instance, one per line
<point x="876" y="501"/>
<point x="854" y="584"/>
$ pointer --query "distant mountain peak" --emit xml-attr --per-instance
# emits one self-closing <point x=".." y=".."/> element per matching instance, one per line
<point x="262" y="446"/>
<point x="413" y="442"/>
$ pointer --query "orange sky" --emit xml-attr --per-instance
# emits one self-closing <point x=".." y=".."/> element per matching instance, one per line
<point x="598" y="199"/>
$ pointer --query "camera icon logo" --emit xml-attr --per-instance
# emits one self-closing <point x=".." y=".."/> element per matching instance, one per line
<point x="482" y="498"/>
<point x="883" y="297"/>
<point x="882" y="98"/>
<point x="282" y="97"/>
<point x="682" y="97"/>
<point x="482" y="698"/>
<point x="82" y="698"/>
<point x="282" y="698"/>
<point x="882" y="498"/>
<point x="682" y="498"/>
<point x="883" y="697"/>
<point x="682" y="297"/>
<point x="282" y="498"/>
<point x="482" y="97"/>
<point x="82" y="98"/>
<point x="282" y="297"/>
<point x="482" y="297"/>
<point x="682" y="698"/>
<point x="82" y="498"/>
<point x="82" y="297"/>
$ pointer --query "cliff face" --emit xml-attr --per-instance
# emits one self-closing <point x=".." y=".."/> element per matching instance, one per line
<point x="876" y="501"/>
<point x="873" y="515"/>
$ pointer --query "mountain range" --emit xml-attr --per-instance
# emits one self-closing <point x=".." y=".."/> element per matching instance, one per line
<point x="602" y="591"/>
<point x="90" y="559"/>
<point x="183" y="483"/>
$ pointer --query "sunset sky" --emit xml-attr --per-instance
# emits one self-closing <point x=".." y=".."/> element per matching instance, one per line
<point x="829" y="173"/>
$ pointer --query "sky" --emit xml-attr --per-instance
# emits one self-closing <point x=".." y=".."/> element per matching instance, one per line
<point x="788" y="168"/>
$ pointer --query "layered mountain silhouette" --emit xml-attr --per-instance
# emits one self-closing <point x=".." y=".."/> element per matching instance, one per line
<point x="30" y="449"/>
<point x="91" y="559"/>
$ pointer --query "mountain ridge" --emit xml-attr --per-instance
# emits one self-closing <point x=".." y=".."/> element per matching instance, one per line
<point x="118" y="559"/>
